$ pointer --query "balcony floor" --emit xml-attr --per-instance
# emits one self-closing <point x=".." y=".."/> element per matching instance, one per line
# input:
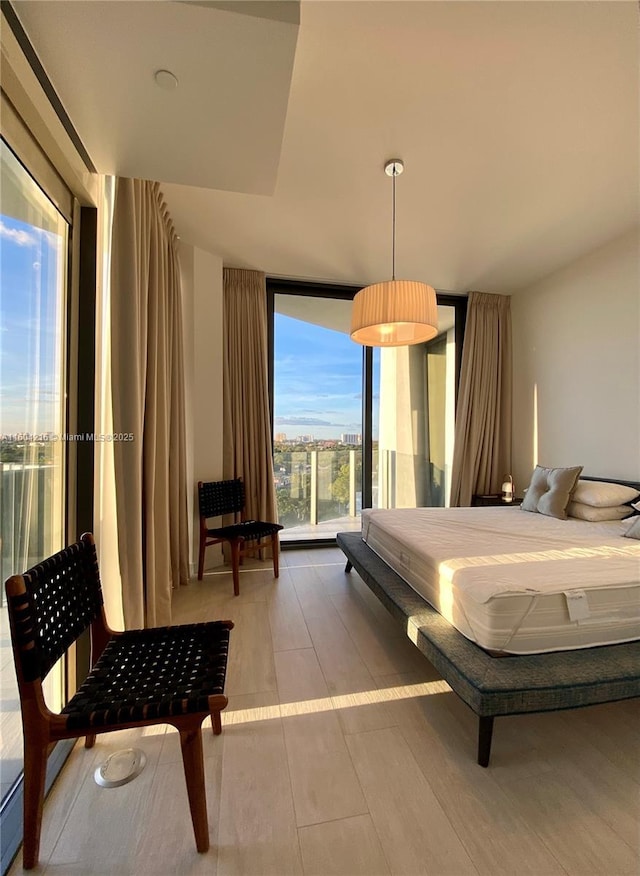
<point x="326" y="529"/>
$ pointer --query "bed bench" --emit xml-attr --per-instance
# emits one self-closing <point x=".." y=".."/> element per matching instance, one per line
<point x="494" y="686"/>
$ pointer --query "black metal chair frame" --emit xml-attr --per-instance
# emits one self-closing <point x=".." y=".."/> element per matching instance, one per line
<point x="166" y="675"/>
<point x="221" y="498"/>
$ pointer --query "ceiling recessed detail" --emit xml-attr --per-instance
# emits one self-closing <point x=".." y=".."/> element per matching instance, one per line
<point x="223" y="127"/>
<point x="166" y="80"/>
<point x="279" y="10"/>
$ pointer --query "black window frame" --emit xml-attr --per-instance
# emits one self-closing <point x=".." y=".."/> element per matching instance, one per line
<point x="342" y="292"/>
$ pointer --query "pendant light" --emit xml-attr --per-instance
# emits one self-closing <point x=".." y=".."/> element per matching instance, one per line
<point x="394" y="313"/>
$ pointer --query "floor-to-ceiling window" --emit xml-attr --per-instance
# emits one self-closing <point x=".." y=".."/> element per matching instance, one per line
<point x="355" y="427"/>
<point x="48" y="255"/>
<point x="33" y="268"/>
<point x="317" y="416"/>
<point x="34" y="425"/>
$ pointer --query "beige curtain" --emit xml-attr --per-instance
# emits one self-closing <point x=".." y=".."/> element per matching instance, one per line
<point x="247" y="445"/>
<point x="148" y="404"/>
<point x="482" y="449"/>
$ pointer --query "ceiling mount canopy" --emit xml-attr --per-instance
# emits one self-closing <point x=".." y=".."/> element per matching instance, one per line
<point x="394" y="313"/>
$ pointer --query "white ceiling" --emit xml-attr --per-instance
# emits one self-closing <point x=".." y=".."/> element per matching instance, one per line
<point x="517" y="123"/>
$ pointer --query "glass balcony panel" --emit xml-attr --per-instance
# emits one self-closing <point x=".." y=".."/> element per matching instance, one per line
<point x="317" y="417"/>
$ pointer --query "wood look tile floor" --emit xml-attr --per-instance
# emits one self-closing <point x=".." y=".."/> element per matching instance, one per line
<point x="344" y="754"/>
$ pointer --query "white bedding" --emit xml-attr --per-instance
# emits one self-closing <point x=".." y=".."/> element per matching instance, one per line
<point x="514" y="581"/>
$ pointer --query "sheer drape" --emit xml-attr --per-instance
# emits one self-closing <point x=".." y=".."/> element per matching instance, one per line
<point x="247" y="444"/>
<point x="482" y="451"/>
<point x="148" y="404"/>
<point x="105" y="528"/>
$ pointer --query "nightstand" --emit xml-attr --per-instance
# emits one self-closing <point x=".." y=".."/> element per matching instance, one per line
<point x="493" y="500"/>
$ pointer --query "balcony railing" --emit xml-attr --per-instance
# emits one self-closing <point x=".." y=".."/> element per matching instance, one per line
<point x="316" y="487"/>
<point x="28" y="524"/>
<point x="319" y="492"/>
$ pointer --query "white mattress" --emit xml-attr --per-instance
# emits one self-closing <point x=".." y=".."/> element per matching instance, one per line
<point x="514" y="581"/>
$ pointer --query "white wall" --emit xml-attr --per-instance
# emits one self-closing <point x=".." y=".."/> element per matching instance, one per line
<point x="576" y="357"/>
<point x="201" y="277"/>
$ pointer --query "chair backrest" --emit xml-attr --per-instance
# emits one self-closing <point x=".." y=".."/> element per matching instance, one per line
<point x="51" y="604"/>
<point x="216" y="498"/>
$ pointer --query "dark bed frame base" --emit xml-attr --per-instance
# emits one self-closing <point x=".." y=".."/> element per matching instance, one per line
<point x="494" y="686"/>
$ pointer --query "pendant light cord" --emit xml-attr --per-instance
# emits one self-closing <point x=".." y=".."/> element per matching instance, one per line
<point x="393" y="225"/>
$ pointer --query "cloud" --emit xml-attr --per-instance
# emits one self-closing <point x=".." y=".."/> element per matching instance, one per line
<point x="311" y="411"/>
<point x="15" y="235"/>
<point x="302" y="421"/>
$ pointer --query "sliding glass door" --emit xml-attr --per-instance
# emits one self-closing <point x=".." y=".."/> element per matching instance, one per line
<point x="356" y="427"/>
<point x="317" y="419"/>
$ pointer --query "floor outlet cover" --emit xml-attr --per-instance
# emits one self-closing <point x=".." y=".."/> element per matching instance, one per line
<point x="120" y="767"/>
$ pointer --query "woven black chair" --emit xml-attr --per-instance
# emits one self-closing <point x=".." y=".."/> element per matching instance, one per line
<point x="166" y="675"/>
<point x="218" y="498"/>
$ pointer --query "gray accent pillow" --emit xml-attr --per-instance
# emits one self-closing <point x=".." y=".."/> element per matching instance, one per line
<point x="550" y="489"/>
<point x="634" y="529"/>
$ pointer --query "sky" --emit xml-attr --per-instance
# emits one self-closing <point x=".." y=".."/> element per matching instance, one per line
<point x="29" y="330"/>
<point x="318" y="380"/>
<point x="33" y="252"/>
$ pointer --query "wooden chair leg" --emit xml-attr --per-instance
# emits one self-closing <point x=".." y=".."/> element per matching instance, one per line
<point x="203" y="544"/>
<point x="35" y="771"/>
<point x="216" y="722"/>
<point x="89" y="740"/>
<point x="235" y="563"/>
<point x="275" y="550"/>
<point x="191" y="745"/>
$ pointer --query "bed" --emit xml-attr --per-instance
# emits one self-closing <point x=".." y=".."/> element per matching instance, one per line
<point x="562" y="598"/>
<point x="512" y="581"/>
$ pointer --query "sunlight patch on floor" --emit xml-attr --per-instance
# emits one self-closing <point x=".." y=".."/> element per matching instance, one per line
<point x="317" y="565"/>
<point x="341" y="701"/>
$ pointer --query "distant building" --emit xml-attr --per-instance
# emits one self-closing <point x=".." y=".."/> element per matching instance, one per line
<point x="304" y="439"/>
<point x="280" y="436"/>
<point x="351" y="438"/>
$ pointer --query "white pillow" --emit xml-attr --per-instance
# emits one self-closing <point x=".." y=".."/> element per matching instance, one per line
<point x="590" y="512"/>
<point x="603" y="495"/>
<point x="634" y="529"/>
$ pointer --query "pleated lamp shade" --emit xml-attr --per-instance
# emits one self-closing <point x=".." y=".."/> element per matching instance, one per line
<point x="396" y="313"/>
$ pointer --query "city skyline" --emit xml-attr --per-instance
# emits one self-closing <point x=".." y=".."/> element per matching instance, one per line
<point x="345" y="438"/>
